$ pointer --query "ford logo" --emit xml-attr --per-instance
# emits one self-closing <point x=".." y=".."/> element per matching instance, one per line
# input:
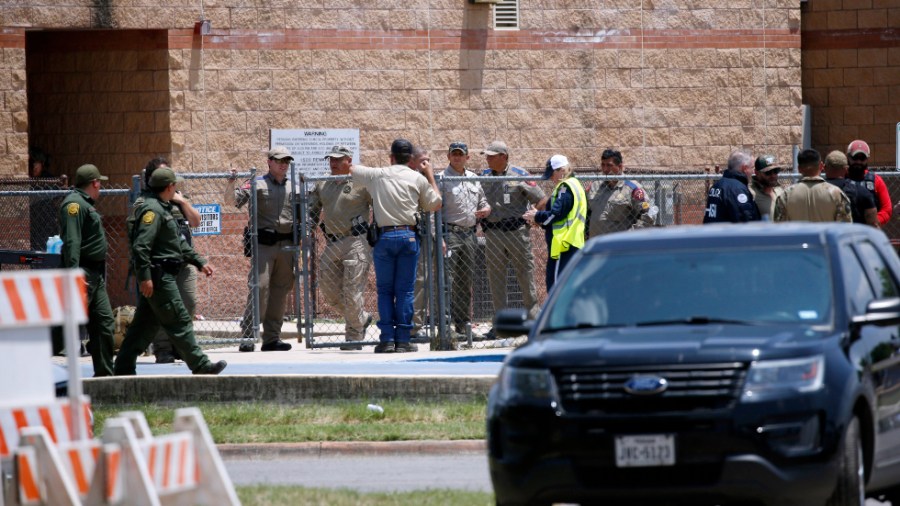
<point x="646" y="385"/>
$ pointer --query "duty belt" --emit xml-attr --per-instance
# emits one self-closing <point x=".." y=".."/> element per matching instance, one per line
<point x="398" y="227"/>
<point x="505" y="225"/>
<point x="459" y="229"/>
<point x="336" y="237"/>
<point x="93" y="265"/>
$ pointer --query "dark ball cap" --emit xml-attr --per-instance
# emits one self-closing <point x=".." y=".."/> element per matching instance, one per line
<point x="401" y="146"/>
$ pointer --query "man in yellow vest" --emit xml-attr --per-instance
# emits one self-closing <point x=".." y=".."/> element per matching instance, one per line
<point x="565" y="217"/>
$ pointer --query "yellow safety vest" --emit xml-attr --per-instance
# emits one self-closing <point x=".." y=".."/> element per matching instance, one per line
<point x="569" y="232"/>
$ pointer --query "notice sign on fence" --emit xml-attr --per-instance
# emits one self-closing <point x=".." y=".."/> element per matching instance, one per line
<point x="309" y="146"/>
<point x="210" y="219"/>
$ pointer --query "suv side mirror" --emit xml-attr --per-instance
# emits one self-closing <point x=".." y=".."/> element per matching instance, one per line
<point x="512" y="323"/>
<point x="881" y="312"/>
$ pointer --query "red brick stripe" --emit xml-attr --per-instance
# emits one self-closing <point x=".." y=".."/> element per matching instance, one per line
<point x="851" y="39"/>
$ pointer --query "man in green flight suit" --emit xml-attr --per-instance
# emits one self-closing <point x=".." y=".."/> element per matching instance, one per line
<point x="158" y="253"/>
<point x="84" y="245"/>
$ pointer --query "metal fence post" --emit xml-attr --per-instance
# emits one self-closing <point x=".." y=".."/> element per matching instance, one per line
<point x="254" y="259"/>
<point x="306" y="267"/>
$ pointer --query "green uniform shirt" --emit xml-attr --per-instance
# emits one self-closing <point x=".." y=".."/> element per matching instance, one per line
<point x="81" y="229"/>
<point x="156" y="237"/>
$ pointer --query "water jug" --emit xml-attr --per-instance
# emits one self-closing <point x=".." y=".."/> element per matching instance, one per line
<point x="54" y="244"/>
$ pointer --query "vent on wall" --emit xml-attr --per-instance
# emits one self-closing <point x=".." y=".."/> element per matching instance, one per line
<point x="506" y="15"/>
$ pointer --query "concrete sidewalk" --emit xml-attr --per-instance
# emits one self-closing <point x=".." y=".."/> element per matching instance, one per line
<point x="305" y="374"/>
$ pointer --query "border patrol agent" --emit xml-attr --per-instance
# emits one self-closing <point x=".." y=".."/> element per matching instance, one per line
<point x="275" y="265"/>
<point x="344" y="267"/>
<point x="464" y="204"/>
<point x="397" y="193"/>
<point x="507" y="238"/>
<point x="617" y="205"/>
<point x="565" y="220"/>
<point x="159" y="253"/>
<point x="85" y="246"/>
<point x="186" y="217"/>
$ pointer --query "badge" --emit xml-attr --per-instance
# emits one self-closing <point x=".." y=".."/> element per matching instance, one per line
<point x="347" y="189"/>
<point x="645" y="206"/>
<point x="72" y="209"/>
<point x="637" y="194"/>
<point x="149" y="216"/>
<point x="742" y="198"/>
<point x="506" y="199"/>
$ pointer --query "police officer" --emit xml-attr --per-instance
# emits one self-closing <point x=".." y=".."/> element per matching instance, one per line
<point x="616" y="205"/>
<point x="397" y="193"/>
<point x="507" y="235"/>
<point x="85" y="246"/>
<point x="862" y="201"/>
<point x="158" y="253"/>
<point x="186" y="217"/>
<point x="764" y="185"/>
<point x="564" y="221"/>
<point x="812" y="198"/>
<point x="464" y="204"/>
<point x="729" y="200"/>
<point x="344" y="267"/>
<point x="275" y="265"/>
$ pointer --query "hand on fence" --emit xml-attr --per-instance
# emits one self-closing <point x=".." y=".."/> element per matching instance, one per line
<point x="529" y="215"/>
<point x="483" y="213"/>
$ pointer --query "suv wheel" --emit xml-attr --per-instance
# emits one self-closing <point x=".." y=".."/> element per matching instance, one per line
<point x="850" y="488"/>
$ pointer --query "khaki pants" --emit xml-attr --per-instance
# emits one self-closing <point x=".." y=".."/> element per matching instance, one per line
<point x="460" y="267"/>
<point x="343" y="274"/>
<point x="276" y="279"/>
<point x="511" y="248"/>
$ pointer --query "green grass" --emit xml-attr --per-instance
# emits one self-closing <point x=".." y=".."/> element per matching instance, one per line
<point x="318" y="421"/>
<point x="271" y="495"/>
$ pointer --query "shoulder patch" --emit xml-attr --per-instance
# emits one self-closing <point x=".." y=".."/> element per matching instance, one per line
<point x="72" y="209"/>
<point x="148" y="218"/>
<point x="637" y="194"/>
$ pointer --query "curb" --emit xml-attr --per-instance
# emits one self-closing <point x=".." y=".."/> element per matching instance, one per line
<point x="282" y="388"/>
<point x="332" y="448"/>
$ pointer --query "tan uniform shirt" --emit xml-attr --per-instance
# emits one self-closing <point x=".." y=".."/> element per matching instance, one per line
<point x="463" y="198"/>
<point x="342" y="201"/>
<point x="510" y="199"/>
<point x="273" y="201"/>
<point x="813" y="199"/>
<point x="618" y="208"/>
<point x="764" y="202"/>
<point x="397" y="192"/>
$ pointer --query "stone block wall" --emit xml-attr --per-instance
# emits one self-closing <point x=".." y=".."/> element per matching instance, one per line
<point x="674" y="85"/>
<point x="851" y="74"/>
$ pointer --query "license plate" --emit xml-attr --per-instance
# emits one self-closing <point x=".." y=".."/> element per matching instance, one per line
<point x="645" y="450"/>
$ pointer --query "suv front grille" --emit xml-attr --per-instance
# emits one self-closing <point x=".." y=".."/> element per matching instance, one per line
<point x="690" y="387"/>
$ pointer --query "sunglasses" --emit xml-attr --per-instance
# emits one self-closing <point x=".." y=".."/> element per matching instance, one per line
<point x="284" y="161"/>
<point x="860" y="157"/>
<point x="773" y="172"/>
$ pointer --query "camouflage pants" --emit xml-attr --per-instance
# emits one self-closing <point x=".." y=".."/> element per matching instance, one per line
<point x="343" y="274"/>
<point x="505" y="248"/>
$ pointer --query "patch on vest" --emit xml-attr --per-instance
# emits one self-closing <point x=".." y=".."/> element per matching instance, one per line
<point x="72" y="209"/>
<point x="742" y="198"/>
<point x="148" y="218"/>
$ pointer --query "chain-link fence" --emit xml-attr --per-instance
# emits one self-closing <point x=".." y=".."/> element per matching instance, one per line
<point x="335" y="280"/>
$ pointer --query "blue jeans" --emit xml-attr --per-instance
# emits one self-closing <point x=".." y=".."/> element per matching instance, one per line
<point x="396" y="254"/>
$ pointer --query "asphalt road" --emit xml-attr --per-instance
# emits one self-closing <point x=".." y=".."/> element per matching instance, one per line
<point x="366" y="473"/>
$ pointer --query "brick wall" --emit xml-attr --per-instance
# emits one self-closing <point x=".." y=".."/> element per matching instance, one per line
<point x="676" y="86"/>
<point x="851" y="74"/>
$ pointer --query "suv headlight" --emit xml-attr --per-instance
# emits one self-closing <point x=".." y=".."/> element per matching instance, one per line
<point x="771" y="378"/>
<point x="527" y="386"/>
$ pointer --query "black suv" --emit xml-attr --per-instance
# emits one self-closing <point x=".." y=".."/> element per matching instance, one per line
<point x="732" y="364"/>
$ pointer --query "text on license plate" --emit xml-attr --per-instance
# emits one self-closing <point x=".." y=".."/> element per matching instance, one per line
<point x="645" y="450"/>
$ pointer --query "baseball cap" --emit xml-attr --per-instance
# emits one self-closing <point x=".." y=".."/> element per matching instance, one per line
<point x="401" y="147"/>
<point x="496" y="148"/>
<point x="858" y="146"/>
<point x="555" y="162"/>
<point x="836" y="160"/>
<point x="164" y="176"/>
<point x="279" y="153"/>
<point x="765" y="163"/>
<point x="458" y="146"/>
<point x="339" y="152"/>
<point x="87" y="173"/>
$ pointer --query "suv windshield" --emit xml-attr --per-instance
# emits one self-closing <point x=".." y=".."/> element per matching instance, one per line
<point x="751" y="286"/>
